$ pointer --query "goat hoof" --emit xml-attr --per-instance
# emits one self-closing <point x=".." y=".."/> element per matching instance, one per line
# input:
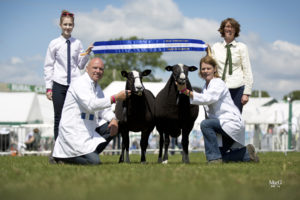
<point x="159" y="160"/>
<point x="186" y="160"/>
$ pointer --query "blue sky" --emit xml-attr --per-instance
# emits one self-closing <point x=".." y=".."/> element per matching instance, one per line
<point x="271" y="30"/>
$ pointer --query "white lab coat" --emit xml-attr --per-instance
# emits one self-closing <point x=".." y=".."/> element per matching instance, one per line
<point x="77" y="136"/>
<point x="218" y="104"/>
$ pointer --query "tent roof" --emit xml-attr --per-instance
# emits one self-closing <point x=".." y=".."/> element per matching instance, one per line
<point x="276" y="113"/>
<point x="47" y="110"/>
<point x="261" y="101"/>
<point x="18" y="108"/>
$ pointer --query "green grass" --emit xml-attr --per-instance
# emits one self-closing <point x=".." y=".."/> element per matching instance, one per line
<point x="31" y="177"/>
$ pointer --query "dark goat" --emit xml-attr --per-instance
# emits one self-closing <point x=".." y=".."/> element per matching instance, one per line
<point x="136" y="113"/>
<point x="173" y="112"/>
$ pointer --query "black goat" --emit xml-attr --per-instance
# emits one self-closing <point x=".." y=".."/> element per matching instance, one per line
<point x="136" y="113"/>
<point x="173" y="112"/>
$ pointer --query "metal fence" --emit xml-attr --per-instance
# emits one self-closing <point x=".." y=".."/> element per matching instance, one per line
<point x="13" y="139"/>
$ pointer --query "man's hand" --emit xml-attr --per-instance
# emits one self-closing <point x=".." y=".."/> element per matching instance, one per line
<point x="180" y="87"/>
<point x="113" y="126"/>
<point x="121" y="96"/>
<point x="49" y="95"/>
<point x="245" y="99"/>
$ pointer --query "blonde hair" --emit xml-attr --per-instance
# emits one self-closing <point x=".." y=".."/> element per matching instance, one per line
<point x="208" y="59"/>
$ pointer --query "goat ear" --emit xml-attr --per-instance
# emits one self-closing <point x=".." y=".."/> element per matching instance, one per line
<point x="192" y="68"/>
<point x="169" y="68"/>
<point x="124" y="74"/>
<point x="146" y="72"/>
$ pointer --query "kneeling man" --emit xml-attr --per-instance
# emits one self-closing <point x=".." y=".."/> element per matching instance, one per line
<point x="81" y="139"/>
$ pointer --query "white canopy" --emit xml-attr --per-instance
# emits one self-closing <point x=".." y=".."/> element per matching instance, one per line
<point x="257" y="112"/>
<point x="46" y="107"/>
<point x="19" y="108"/>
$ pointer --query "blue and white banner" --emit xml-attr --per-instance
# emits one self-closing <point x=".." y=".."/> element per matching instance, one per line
<point x="150" y="46"/>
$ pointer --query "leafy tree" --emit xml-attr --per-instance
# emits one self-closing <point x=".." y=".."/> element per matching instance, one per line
<point x="257" y="93"/>
<point x="115" y="63"/>
<point x="295" y="95"/>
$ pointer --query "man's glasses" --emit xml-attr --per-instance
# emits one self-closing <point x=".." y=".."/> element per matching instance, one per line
<point x="64" y="14"/>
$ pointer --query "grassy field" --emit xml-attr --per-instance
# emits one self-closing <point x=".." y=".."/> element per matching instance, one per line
<point x="277" y="176"/>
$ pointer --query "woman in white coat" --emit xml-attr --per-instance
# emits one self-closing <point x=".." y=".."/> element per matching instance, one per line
<point x="223" y="118"/>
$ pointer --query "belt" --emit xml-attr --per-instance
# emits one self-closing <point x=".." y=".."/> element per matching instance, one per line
<point x="87" y="116"/>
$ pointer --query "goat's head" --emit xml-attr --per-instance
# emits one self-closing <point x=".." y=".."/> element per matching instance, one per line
<point x="180" y="72"/>
<point x="134" y="81"/>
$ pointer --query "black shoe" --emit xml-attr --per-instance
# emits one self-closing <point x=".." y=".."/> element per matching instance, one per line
<point x="51" y="159"/>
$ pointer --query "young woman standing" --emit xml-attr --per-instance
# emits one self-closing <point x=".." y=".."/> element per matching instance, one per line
<point x="233" y="62"/>
<point x="63" y="62"/>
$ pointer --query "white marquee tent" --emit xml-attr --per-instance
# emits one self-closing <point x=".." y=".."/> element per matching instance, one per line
<point x="19" y="108"/>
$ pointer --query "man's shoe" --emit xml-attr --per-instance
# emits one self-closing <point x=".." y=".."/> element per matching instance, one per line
<point x="52" y="160"/>
<point x="55" y="161"/>
<point x="252" y="154"/>
<point x="217" y="161"/>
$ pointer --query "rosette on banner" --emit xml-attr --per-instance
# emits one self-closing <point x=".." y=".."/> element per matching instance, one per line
<point x="148" y="46"/>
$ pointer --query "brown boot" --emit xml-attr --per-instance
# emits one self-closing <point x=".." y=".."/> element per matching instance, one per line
<point x="217" y="161"/>
<point x="252" y="154"/>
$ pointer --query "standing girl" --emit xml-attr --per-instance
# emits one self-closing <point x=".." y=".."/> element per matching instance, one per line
<point x="63" y="62"/>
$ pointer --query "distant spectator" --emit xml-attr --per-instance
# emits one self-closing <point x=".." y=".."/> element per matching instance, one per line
<point x="135" y="145"/>
<point x="4" y="139"/>
<point x="174" y="143"/>
<point x="33" y="139"/>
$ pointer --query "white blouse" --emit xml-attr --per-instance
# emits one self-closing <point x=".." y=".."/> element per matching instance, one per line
<point x="241" y="67"/>
<point x="218" y="104"/>
<point x="77" y="136"/>
<point x="55" y="67"/>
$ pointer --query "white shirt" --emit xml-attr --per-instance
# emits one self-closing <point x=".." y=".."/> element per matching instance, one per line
<point x="56" y="68"/>
<point x="241" y="67"/>
<point x="29" y="135"/>
<point x="77" y="136"/>
<point x="218" y="104"/>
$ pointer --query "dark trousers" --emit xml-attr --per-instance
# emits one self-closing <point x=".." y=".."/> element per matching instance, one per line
<point x="236" y="95"/>
<point x="59" y="93"/>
